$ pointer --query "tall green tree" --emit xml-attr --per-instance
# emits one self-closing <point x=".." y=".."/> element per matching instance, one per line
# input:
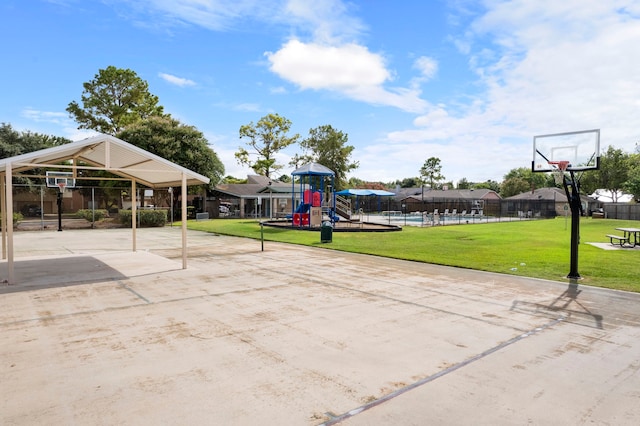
<point x="328" y="146"/>
<point x="177" y="142"/>
<point x="113" y="100"/>
<point x="522" y="179"/>
<point x="431" y="171"/>
<point x="612" y="175"/>
<point x="266" y="138"/>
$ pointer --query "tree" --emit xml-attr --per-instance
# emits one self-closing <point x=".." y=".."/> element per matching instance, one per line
<point x="328" y="146"/>
<point x="514" y="186"/>
<point x="522" y="179"/>
<point x="612" y="175"/>
<point x="14" y="143"/>
<point x="266" y="138"/>
<point x="113" y="100"/>
<point x="177" y="142"/>
<point x="408" y="182"/>
<point x="632" y="186"/>
<point x="464" y="184"/>
<point x="430" y="171"/>
<point x="489" y="184"/>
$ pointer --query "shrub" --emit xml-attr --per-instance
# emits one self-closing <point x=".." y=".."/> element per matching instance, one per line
<point x="148" y="218"/>
<point x="17" y="218"/>
<point x="92" y="215"/>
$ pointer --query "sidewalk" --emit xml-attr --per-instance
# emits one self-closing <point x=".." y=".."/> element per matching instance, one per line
<point x="96" y="333"/>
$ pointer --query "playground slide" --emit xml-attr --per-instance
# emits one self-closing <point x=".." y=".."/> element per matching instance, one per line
<point x="303" y="208"/>
<point x="334" y="217"/>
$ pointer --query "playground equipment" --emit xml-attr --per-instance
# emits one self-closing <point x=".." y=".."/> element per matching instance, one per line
<point x="318" y="202"/>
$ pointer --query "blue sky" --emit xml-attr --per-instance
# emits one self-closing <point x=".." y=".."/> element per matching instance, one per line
<point x="469" y="82"/>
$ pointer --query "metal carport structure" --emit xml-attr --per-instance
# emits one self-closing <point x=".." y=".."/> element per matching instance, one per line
<point x="102" y="152"/>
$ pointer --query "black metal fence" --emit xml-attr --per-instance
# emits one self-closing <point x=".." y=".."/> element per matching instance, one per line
<point x="622" y="211"/>
<point x="495" y="208"/>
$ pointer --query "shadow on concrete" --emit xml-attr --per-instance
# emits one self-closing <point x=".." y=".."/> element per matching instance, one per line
<point x="566" y="306"/>
<point x="34" y="274"/>
<point x="62" y="271"/>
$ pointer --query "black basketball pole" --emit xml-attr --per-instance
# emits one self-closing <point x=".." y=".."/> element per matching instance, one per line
<point x="59" y="211"/>
<point x="573" y="197"/>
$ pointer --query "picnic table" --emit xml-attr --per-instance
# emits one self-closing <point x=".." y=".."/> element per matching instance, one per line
<point x="631" y="236"/>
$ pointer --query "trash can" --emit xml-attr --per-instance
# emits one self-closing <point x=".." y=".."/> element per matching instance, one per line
<point x="326" y="232"/>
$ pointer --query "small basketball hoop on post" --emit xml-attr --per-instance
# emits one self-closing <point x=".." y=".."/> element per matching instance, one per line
<point x="62" y="186"/>
<point x="560" y="167"/>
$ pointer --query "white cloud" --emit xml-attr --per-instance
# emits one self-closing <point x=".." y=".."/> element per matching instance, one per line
<point x="332" y="61"/>
<point x="54" y="123"/>
<point x="218" y="15"/>
<point x="349" y="69"/>
<point x="323" y="19"/>
<point x="328" y="21"/>
<point x="247" y="107"/>
<point x="45" y="116"/>
<point x="278" y="90"/>
<point x="428" y="67"/>
<point x="550" y="67"/>
<point x="178" y="81"/>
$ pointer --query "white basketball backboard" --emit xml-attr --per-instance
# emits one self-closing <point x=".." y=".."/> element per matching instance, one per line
<point x="581" y="149"/>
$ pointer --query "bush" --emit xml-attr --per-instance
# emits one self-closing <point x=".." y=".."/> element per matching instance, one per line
<point x="92" y="215"/>
<point x="148" y="218"/>
<point x="17" y="218"/>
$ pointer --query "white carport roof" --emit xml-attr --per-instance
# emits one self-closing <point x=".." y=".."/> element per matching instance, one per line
<point x="102" y="152"/>
<point x="109" y="153"/>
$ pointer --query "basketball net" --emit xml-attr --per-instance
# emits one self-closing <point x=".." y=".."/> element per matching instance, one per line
<point x="559" y="169"/>
<point x="62" y="186"/>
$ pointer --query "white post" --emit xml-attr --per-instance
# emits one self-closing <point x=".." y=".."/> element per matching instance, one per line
<point x="184" y="221"/>
<point x="42" y="207"/>
<point x="4" y="216"/>
<point x="134" y="212"/>
<point x="170" y="190"/>
<point x="9" y="222"/>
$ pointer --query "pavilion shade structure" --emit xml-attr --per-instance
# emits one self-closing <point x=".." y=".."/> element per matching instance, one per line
<point x="101" y="152"/>
<point x="108" y="153"/>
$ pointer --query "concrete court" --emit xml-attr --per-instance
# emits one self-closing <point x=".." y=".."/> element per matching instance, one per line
<point x="96" y="334"/>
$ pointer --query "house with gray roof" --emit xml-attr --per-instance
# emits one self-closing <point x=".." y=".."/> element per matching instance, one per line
<point x="544" y="202"/>
<point x="259" y="197"/>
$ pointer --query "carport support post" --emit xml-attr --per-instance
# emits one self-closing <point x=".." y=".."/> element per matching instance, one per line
<point x="4" y="216"/>
<point x="184" y="220"/>
<point x="8" y="208"/>
<point x="134" y="213"/>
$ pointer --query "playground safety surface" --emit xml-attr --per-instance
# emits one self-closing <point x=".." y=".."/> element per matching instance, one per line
<point x="94" y="333"/>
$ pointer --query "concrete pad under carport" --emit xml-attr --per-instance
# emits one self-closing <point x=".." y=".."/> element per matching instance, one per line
<point x="296" y="335"/>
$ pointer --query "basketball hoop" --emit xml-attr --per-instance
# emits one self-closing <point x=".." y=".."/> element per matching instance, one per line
<point x="62" y="186"/>
<point x="559" y="169"/>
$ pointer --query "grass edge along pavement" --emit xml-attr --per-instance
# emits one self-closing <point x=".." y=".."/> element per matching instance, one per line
<point x="536" y="249"/>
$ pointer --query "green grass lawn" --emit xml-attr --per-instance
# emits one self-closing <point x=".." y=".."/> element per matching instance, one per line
<point x="538" y="249"/>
